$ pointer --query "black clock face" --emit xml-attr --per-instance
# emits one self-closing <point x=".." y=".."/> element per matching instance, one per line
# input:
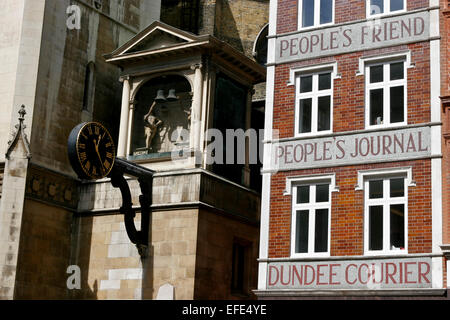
<point x="91" y="151"/>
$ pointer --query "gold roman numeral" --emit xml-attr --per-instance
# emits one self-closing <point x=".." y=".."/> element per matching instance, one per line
<point x="83" y="156"/>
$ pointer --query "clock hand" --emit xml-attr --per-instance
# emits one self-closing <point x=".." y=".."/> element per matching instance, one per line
<point x="99" y="157"/>
<point x="98" y="142"/>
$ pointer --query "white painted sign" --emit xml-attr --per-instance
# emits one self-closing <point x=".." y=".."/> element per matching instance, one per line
<point x="368" y="274"/>
<point x="366" y="147"/>
<point x="371" y="34"/>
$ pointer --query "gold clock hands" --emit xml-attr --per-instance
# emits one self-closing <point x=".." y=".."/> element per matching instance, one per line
<point x="96" y="143"/>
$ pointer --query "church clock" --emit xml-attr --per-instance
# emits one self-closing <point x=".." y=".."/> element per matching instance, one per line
<point x="91" y="151"/>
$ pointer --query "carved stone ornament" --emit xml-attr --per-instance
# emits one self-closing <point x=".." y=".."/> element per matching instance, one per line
<point x="19" y="134"/>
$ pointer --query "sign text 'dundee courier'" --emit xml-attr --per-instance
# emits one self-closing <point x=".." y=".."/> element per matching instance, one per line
<point x="351" y="274"/>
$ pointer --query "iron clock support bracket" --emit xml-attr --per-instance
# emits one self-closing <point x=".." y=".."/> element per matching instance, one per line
<point x="145" y="178"/>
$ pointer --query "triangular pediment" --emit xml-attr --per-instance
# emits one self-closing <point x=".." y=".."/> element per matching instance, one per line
<point x="161" y="43"/>
<point x="156" y="36"/>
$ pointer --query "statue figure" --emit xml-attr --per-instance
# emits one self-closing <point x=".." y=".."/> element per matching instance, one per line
<point x="151" y="124"/>
<point x="188" y="113"/>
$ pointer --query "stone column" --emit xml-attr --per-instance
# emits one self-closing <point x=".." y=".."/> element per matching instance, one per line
<point x="124" y="116"/>
<point x="196" y="107"/>
<point x="248" y="140"/>
<point x="130" y="126"/>
<point x="11" y="207"/>
<point x="445" y="248"/>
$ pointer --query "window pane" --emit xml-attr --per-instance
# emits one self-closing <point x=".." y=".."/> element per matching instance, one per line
<point x="397" y="71"/>
<point x="376" y="74"/>
<point x="376" y="228"/>
<point x="396" y="5"/>
<point x="323" y="116"/>
<point x="376" y="6"/>
<point x="308" y="13"/>
<point x="305" y="115"/>
<point x="397" y="187"/>
<point x="306" y="84"/>
<point x="322" y="193"/>
<point x="326" y="11"/>
<point x="376" y="189"/>
<point x="303" y="194"/>
<point x="397" y="226"/>
<point x="321" y="231"/>
<point x="325" y="81"/>
<point x="376" y="106"/>
<point x="397" y="104"/>
<point x="301" y="231"/>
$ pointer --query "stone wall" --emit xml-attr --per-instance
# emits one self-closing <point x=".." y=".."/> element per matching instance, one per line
<point x="21" y="23"/>
<point x="63" y="60"/>
<point x="11" y="214"/>
<point x="216" y="236"/>
<point x="191" y="238"/>
<point x="109" y="263"/>
<point x="236" y="22"/>
<point x="11" y="12"/>
<point x="44" y="252"/>
<point x="111" y="267"/>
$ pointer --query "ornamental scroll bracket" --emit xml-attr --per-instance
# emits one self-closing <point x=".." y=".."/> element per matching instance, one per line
<point x="145" y="178"/>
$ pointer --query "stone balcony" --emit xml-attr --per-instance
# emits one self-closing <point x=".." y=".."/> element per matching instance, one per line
<point x="176" y="189"/>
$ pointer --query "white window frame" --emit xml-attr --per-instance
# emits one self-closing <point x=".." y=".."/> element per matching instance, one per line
<point x="316" y="15"/>
<point x="387" y="9"/>
<point x="314" y="95"/>
<point x="386" y="201"/>
<point x="292" y="184"/>
<point x="386" y="85"/>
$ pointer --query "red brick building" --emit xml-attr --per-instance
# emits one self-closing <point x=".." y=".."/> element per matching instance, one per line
<point x="356" y="191"/>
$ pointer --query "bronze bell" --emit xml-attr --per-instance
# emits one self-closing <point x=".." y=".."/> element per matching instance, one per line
<point x="160" y="96"/>
<point x="172" y="96"/>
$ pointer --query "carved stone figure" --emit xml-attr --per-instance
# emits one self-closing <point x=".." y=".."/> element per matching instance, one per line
<point x="188" y="113"/>
<point x="151" y="124"/>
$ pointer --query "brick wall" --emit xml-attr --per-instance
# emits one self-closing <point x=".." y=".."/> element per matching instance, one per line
<point x="445" y="93"/>
<point x="346" y="10"/>
<point x="347" y="210"/>
<point x="348" y="99"/>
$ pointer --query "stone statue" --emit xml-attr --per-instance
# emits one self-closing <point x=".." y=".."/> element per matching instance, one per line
<point x="188" y="113"/>
<point x="151" y="124"/>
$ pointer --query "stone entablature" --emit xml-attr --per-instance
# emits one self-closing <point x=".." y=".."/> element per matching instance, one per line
<point x="176" y="189"/>
<point x="51" y="187"/>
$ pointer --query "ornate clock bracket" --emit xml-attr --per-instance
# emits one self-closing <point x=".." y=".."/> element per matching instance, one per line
<point x="145" y="177"/>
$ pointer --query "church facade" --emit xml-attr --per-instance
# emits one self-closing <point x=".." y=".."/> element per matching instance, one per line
<point x="75" y="61"/>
